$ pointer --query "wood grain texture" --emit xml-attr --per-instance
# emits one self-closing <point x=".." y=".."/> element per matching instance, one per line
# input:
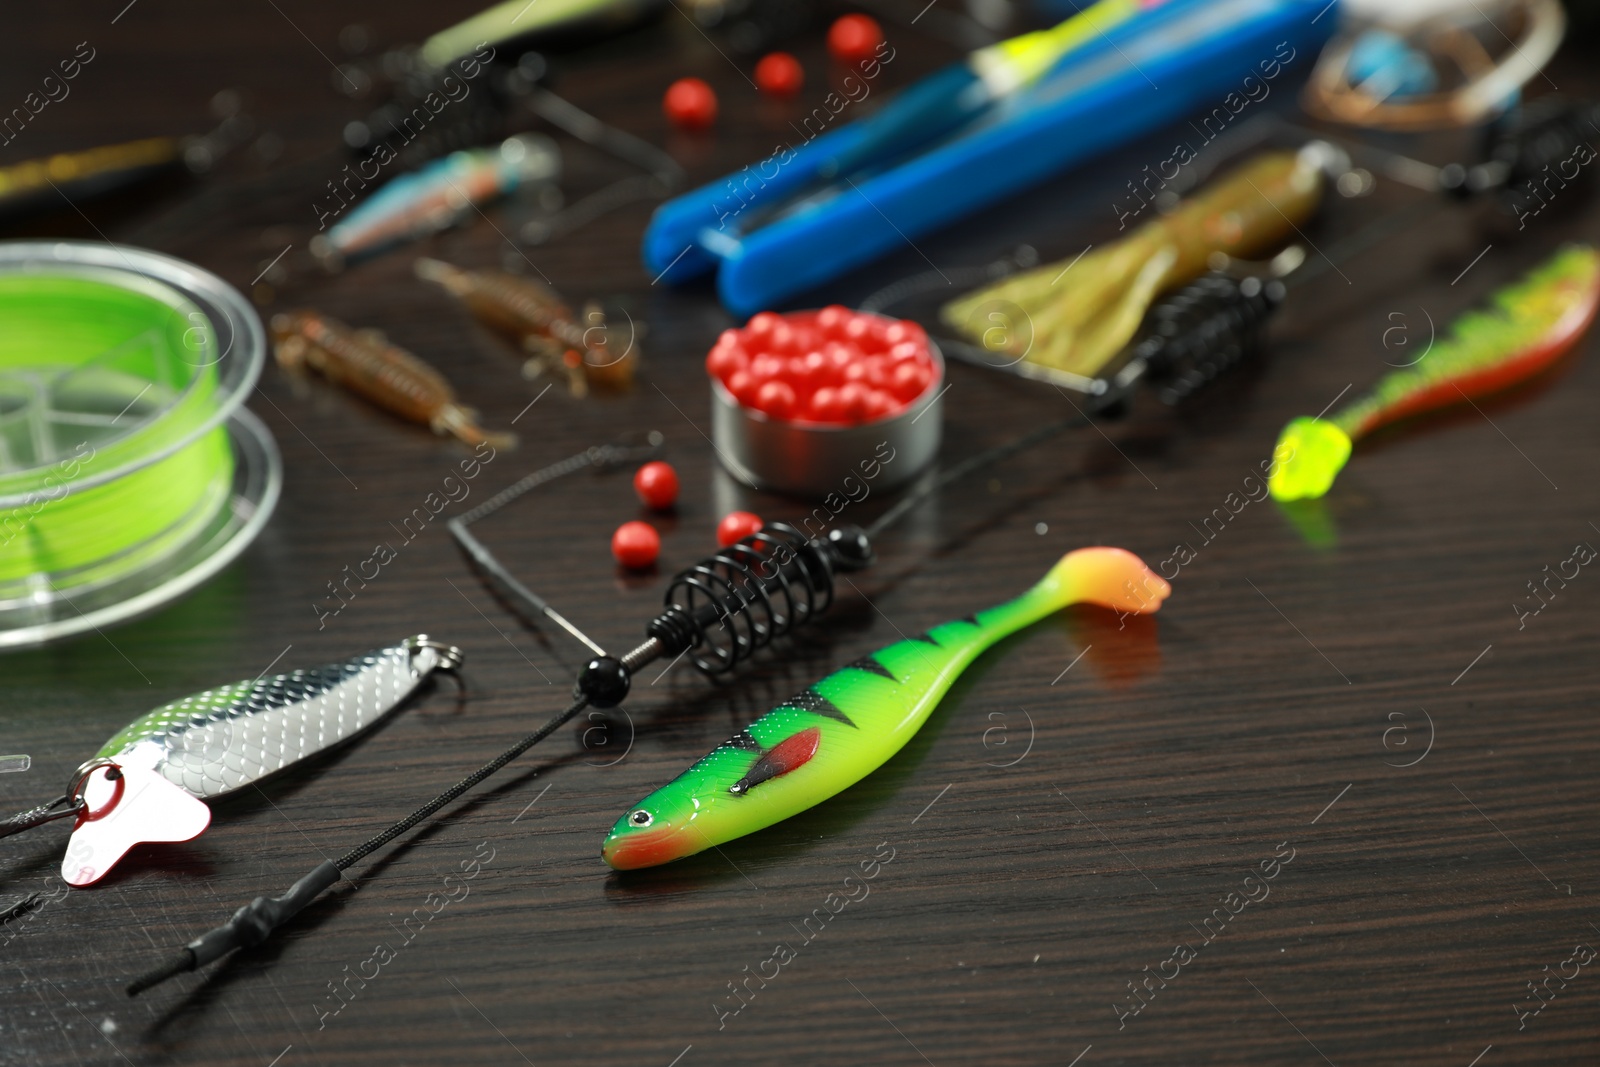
<point x="1054" y="832"/>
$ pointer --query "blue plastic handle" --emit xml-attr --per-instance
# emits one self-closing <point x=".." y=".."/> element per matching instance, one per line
<point x="689" y="234"/>
<point x="1190" y="53"/>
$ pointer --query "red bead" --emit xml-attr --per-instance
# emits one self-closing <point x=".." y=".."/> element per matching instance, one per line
<point x="636" y="544"/>
<point x="736" y="526"/>
<point x="690" y="104"/>
<point x="725" y="359"/>
<point x="831" y="320"/>
<point x="853" y="398"/>
<point x="853" y="39"/>
<point x="910" y="380"/>
<point x="809" y="371"/>
<point x="904" y="351"/>
<point x="826" y="406"/>
<point x="878" y="404"/>
<point x="765" y="367"/>
<point x="776" y="398"/>
<point x="742" y="384"/>
<point x="903" y="330"/>
<point x="779" y="74"/>
<point x="784" y="340"/>
<point x="761" y="324"/>
<point x="657" y="485"/>
<point x="867" y="333"/>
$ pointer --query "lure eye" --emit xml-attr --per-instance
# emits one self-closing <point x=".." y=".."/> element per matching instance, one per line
<point x="641" y="818"/>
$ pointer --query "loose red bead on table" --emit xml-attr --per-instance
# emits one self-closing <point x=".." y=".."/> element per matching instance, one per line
<point x="690" y="103"/>
<point x="779" y="74"/>
<point x="854" y="38"/>
<point x="636" y="545"/>
<point x="736" y="526"/>
<point x="657" y="485"/>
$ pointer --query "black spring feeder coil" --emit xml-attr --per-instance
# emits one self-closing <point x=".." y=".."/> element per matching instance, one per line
<point x="1204" y="330"/>
<point x="734" y="602"/>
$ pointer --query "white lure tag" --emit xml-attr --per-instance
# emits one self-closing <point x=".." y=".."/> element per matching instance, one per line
<point x="123" y="807"/>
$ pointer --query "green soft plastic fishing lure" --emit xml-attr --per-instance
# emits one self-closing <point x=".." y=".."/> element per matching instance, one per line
<point x="1526" y="327"/>
<point x="842" y="729"/>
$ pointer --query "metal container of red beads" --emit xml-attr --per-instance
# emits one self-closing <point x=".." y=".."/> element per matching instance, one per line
<point x="816" y="403"/>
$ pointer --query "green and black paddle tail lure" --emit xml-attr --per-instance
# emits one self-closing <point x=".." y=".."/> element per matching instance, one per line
<point x="840" y="730"/>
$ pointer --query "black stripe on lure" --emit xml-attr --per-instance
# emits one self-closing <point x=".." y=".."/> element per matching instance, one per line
<point x="150" y="782"/>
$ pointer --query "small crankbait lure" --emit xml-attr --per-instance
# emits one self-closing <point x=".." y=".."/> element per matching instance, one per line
<point x="437" y="197"/>
<point x="1526" y="328"/>
<point x="1076" y="315"/>
<point x="364" y="362"/>
<point x="148" y="782"/>
<point x="846" y="726"/>
<point x="536" y="317"/>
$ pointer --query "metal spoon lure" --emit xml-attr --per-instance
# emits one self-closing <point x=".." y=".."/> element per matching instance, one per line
<point x="150" y="782"/>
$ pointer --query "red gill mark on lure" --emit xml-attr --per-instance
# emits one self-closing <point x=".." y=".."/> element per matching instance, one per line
<point x="789" y="754"/>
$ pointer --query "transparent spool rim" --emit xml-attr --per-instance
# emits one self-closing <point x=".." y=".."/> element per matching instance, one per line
<point x="241" y="338"/>
<point x="257" y="485"/>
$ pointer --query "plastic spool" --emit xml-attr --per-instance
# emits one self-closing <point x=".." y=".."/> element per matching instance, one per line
<point x="130" y="472"/>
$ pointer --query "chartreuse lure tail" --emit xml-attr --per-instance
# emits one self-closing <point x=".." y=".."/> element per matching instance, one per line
<point x="842" y="729"/>
<point x="1526" y="327"/>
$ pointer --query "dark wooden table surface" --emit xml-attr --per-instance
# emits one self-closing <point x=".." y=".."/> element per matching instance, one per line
<point x="1350" y="689"/>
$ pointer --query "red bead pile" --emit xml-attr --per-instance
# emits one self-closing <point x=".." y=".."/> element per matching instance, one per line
<point x="835" y="366"/>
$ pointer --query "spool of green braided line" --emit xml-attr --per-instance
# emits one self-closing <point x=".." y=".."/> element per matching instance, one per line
<point x="129" y="470"/>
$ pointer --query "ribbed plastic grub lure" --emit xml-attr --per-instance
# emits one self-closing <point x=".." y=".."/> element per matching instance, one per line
<point x="846" y="726"/>
<point x="148" y="783"/>
<point x="364" y="362"/>
<point x="1525" y="329"/>
<point x="537" y="318"/>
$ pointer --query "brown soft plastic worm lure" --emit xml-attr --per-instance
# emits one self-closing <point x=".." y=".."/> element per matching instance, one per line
<point x="536" y="317"/>
<point x="364" y="362"/>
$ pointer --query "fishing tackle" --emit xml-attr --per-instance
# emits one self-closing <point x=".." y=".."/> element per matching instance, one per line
<point x="1526" y="327"/>
<point x="148" y="783"/>
<point x="722" y="609"/>
<point x="437" y="197"/>
<point x="366" y="363"/>
<point x="535" y="316"/>
<point x="846" y="726"/>
<point x="1083" y="312"/>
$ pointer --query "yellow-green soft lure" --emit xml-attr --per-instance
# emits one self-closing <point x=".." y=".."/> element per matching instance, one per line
<point x="842" y="729"/>
<point x="1526" y="328"/>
